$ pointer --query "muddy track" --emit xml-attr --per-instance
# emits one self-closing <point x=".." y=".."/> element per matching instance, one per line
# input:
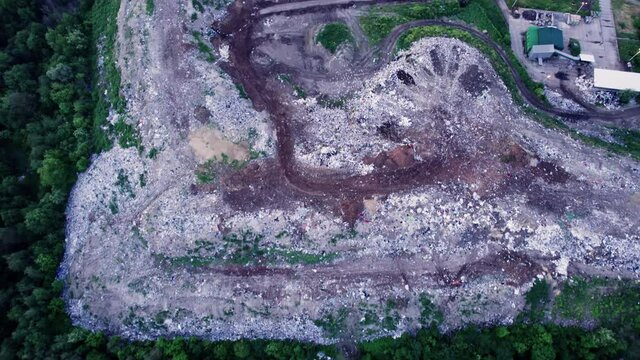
<point x="237" y="29"/>
<point x="387" y="49"/>
<point x="625" y="115"/>
<point x="337" y="185"/>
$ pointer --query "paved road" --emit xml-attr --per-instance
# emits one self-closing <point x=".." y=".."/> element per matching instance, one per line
<point x="313" y="4"/>
<point x="609" y="35"/>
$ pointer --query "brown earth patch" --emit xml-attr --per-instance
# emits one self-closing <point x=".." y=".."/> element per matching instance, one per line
<point x="208" y="143"/>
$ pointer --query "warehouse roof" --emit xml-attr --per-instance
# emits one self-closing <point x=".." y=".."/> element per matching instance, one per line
<point x="551" y="35"/>
<point x="616" y="80"/>
<point x="532" y="38"/>
<point x="544" y="36"/>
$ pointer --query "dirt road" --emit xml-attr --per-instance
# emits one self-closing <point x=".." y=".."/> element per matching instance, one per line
<point x="237" y="29"/>
<point x="506" y="201"/>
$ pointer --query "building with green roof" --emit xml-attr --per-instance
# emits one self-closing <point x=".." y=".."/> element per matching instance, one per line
<point x="543" y="36"/>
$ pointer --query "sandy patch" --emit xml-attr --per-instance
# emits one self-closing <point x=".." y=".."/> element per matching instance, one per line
<point x="207" y="143"/>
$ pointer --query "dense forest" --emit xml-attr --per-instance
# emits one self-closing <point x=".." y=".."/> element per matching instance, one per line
<point x="52" y="118"/>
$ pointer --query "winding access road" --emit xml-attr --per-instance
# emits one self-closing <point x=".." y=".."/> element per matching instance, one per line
<point x="238" y="28"/>
<point x="627" y="118"/>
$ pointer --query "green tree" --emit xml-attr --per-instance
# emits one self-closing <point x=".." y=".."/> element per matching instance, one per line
<point x="241" y="349"/>
<point x="626" y="96"/>
<point x="55" y="172"/>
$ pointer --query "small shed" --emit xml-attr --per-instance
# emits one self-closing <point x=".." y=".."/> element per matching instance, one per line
<point x="573" y="19"/>
<point x="588" y="58"/>
<point x="616" y="80"/>
<point x="541" y="52"/>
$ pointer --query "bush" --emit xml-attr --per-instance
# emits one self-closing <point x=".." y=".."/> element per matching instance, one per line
<point x="627" y="49"/>
<point x="626" y="96"/>
<point x="574" y="47"/>
<point x="333" y="35"/>
<point x="150" y="6"/>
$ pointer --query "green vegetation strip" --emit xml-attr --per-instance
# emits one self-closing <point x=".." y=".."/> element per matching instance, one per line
<point x="628" y="48"/>
<point x="564" y="6"/>
<point x="606" y="301"/>
<point x="333" y="35"/>
<point x="378" y="23"/>
<point x="104" y="33"/>
<point x="244" y="249"/>
<point x="203" y="47"/>
<point x="150" y="7"/>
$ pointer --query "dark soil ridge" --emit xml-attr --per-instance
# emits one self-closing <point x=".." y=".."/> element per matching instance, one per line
<point x="343" y="193"/>
<point x="237" y="29"/>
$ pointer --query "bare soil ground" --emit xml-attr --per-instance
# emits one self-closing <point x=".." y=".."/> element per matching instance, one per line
<point x="373" y="186"/>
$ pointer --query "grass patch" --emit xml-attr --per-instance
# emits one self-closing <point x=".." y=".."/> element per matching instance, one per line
<point x="628" y="48"/>
<point x="332" y="103"/>
<point x="203" y="47"/>
<point x="346" y="235"/>
<point x="626" y="147"/>
<point x="124" y="185"/>
<point x="127" y="135"/>
<point x="113" y="205"/>
<point x="333" y="35"/>
<point x="630" y="140"/>
<point x="627" y="19"/>
<point x="241" y="91"/>
<point x="284" y="78"/>
<point x="566" y="6"/>
<point x="487" y="16"/>
<point x="206" y="173"/>
<point x="430" y="315"/>
<point x="536" y="302"/>
<point x="299" y="92"/>
<point x="378" y="23"/>
<point x="377" y="27"/>
<point x="197" y="5"/>
<point x="607" y="301"/>
<point x="575" y="47"/>
<point x="331" y="324"/>
<point x="150" y="7"/>
<point x="294" y="257"/>
<point x="249" y="253"/>
<point x="243" y="248"/>
<point x="153" y="153"/>
<point x="391" y="316"/>
<point x="103" y="19"/>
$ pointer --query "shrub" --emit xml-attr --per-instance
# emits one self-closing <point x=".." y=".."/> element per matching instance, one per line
<point x="150" y="7"/>
<point x="626" y="96"/>
<point x="333" y="35"/>
<point x="574" y="47"/>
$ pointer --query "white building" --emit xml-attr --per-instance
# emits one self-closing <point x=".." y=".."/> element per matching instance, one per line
<point x="616" y="80"/>
<point x="543" y="52"/>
